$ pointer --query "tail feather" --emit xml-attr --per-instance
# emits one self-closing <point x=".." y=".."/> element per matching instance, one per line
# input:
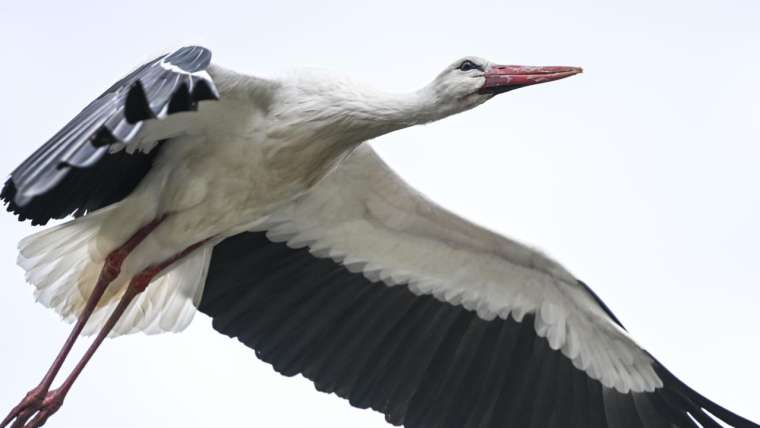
<point x="56" y="259"/>
<point x="169" y="304"/>
<point x="63" y="264"/>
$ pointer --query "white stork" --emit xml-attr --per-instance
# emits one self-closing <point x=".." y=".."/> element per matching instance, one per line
<point x="257" y="202"/>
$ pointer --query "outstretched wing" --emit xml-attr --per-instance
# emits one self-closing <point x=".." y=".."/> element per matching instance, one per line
<point x="382" y="297"/>
<point x="95" y="159"/>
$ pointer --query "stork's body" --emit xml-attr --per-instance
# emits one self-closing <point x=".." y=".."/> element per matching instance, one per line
<point x="215" y="180"/>
<point x="193" y="176"/>
<point x="237" y="160"/>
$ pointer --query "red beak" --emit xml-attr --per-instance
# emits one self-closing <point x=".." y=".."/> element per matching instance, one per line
<point x="503" y="78"/>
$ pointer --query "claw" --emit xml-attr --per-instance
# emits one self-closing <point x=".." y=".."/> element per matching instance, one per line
<point x="39" y="403"/>
<point x="52" y="402"/>
<point x="37" y="406"/>
<point x="22" y="417"/>
<point x="31" y="404"/>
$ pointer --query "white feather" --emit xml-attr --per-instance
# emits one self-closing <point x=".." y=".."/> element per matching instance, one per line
<point x="57" y="258"/>
<point x="62" y="266"/>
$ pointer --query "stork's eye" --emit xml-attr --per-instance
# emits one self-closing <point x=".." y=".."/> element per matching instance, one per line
<point x="468" y="65"/>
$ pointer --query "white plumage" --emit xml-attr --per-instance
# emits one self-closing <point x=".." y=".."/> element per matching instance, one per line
<point x="230" y="165"/>
<point x="289" y="158"/>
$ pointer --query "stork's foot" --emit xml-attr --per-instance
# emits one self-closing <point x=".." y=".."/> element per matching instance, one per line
<point x="27" y="408"/>
<point x="50" y="404"/>
<point x="40" y="403"/>
<point x="35" y="409"/>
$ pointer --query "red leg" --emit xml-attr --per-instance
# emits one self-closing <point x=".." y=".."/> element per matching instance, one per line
<point x="54" y="399"/>
<point x="33" y="400"/>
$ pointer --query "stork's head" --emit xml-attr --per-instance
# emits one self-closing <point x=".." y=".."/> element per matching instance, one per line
<point x="470" y="81"/>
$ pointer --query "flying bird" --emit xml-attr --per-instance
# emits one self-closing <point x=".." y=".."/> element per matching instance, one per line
<point x="259" y="202"/>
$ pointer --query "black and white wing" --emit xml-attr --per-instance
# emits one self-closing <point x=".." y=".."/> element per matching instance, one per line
<point x="89" y="163"/>
<point x="378" y="295"/>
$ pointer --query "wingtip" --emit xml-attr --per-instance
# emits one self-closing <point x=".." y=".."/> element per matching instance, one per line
<point x="700" y="404"/>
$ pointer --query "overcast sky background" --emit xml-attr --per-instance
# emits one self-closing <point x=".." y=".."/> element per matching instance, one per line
<point x="641" y="175"/>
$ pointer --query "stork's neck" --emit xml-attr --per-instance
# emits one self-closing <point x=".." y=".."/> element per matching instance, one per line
<point x="315" y="129"/>
<point x="381" y="113"/>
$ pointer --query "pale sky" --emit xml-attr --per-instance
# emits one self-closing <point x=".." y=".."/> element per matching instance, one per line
<point x="641" y="175"/>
